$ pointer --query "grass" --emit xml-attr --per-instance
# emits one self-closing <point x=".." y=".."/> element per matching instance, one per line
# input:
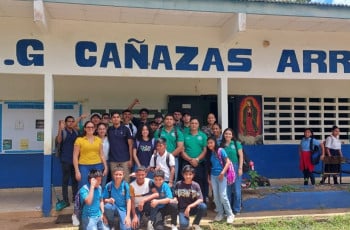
<point x="339" y="222"/>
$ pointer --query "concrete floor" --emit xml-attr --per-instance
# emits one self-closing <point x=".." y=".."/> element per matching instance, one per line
<point x="21" y="208"/>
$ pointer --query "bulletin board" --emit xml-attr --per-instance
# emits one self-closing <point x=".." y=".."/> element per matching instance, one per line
<point x="23" y="124"/>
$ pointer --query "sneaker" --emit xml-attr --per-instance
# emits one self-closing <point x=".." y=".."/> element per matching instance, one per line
<point x="230" y="219"/>
<point x="75" y="220"/>
<point x="173" y="227"/>
<point x="196" y="227"/>
<point x="150" y="225"/>
<point x="219" y="217"/>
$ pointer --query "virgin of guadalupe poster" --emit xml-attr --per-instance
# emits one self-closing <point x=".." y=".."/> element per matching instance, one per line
<point x="249" y="119"/>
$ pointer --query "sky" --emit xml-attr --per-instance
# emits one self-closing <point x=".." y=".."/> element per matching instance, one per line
<point x="339" y="2"/>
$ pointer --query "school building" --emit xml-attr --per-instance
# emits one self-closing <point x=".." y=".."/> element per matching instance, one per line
<point x="69" y="57"/>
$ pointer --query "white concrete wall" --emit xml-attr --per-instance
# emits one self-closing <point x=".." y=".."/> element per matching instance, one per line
<point x="115" y="88"/>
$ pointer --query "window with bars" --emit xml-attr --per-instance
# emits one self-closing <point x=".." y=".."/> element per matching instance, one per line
<point x="285" y="118"/>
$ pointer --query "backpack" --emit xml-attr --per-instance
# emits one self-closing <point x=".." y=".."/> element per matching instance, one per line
<point x="246" y="160"/>
<point x="230" y="173"/>
<point x="315" y="154"/>
<point x="58" y="146"/>
<point x="78" y="204"/>
<point x="167" y="160"/>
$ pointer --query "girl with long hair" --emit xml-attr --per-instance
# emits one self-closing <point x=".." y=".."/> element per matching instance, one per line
<point x="234" y="152"/>
<point x="218" y="180"/>
<point x="144" y="146"/>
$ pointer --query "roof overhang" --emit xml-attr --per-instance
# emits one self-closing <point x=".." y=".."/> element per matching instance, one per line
<point x="227" y="6"/>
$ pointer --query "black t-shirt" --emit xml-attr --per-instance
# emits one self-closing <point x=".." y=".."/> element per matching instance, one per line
<point x="186" y="194"/>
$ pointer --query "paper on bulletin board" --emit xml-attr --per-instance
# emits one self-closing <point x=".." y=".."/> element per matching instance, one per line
<point x="40" y="136"/>
<point x="7" y="144"/>
<point x="24" y="144"/>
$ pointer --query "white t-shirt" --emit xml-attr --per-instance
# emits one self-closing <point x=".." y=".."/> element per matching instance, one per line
<point x="161" y="162"/>
<point x="140" y="192"/>
<point x="105" y="146"/>
<point x="333" y="143"/>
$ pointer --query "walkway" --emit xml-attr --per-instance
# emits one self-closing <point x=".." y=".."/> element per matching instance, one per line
<point x="21" y="209"/>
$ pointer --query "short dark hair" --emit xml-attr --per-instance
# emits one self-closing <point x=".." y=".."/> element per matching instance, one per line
<point x="161" y="140"/>
<point x="158" y="115"/>
<point x="95" y="115"/>
<point x="126" y="111"/>
<point x="94" y="173"/>
<point x="153" y="122"/>
<point x="68" y="117"/>
<point x="169" y="115"/>
<point x="115" y="112"/>
<point x="117" y="168"/>
<point x="141" y="168"/>
<point x="188" y="168"/>
<point x="334" y="127"/>
<point x="144" y="110"/>
<point x="105" y="114"/>
<point x="159" y="173"/>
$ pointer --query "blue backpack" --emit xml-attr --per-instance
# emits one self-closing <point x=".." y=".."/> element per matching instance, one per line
<point x="79" y="204"/>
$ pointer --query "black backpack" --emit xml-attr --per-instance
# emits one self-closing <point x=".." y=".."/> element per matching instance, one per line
<point x="58" y="146"/>
<point x="315" y="154"/>
<point x="167" y="160"/>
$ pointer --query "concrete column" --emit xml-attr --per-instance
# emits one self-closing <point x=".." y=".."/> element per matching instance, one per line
<point x="47" y="167"/>
<point x="223" y="102"/>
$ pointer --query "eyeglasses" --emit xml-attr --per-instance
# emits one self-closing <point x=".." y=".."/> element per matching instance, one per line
<point x="89" y="127"/>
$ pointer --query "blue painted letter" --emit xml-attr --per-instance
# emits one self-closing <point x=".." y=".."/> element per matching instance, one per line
<point x="184" y="62"/>
<point x="213" y="57"/>
<point x="80" y="49"/>
<point x="344" y="59"/>
<point x="160" y="51"/>
<point x="110" y="54"/>
<point x="314" y="56"/>
<point x="26" y="59"/>
<point x="293" y="61"/>
<point x="241" y="64"/>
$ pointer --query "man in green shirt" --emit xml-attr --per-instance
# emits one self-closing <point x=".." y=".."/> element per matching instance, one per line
<point x="194" y="153"/>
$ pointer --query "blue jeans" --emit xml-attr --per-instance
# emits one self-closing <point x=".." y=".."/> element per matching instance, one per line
<point x="157" y="215"/>
<point x="220" y="195"/>
<point x="234" y="192"/>
<point x="112" y="210"/>
<point x="93" y="223"/>
<point x="199" y="211"/>
<point x="84" y="172"/>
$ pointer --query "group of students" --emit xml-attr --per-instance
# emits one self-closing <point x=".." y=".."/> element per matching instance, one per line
<point x="331" y="147"/>
<point x="131" y="144"/>
<point x="153" y="198"/>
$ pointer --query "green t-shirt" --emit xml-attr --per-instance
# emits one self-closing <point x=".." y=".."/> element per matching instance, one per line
<point x="194" y="144"/>
<point x="232" y="152"/>
<point x="186" y="130"/>
<point x="170" y="137"/>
